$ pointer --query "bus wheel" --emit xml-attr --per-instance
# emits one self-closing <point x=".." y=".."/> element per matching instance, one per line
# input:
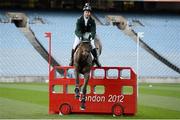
<point x="117" y="110"/>
<point x="64" y="109"/>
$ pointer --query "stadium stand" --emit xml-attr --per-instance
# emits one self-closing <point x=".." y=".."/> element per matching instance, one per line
<point x="3" y="19"/>
<point x="163" y="29"/>
<point x="160" y="38"/>
<point x="18" y="57"/>
<point x="57" y="18"/>
<point x="161" y="33"/>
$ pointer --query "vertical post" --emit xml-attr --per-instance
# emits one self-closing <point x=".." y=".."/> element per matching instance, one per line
<point x="48" y="36"/>
<point x="139" y="35"/>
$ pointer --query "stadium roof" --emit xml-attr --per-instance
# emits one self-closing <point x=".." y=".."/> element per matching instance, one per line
<point x="162" y="0"/>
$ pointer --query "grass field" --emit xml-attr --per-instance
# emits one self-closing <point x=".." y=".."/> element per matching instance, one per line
<point x="30" y="100"/>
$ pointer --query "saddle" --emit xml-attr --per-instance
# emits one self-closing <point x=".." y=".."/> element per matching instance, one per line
<point x="83" y="41"/>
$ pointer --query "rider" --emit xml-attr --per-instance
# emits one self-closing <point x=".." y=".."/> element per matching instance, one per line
<point x="85" y="25"/>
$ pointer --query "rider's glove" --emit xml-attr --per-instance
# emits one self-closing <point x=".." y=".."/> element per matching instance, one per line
<point x="81" y="38"/>
<point x="90" y="37"/>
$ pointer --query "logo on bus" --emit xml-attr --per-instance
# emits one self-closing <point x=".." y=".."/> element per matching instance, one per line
<point x="109" y="98"/>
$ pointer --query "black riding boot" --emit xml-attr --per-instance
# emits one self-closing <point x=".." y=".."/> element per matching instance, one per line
<point x="94" y="53"/>
<point x="72" y="54"/>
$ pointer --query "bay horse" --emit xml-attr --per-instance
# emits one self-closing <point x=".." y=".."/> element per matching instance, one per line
<point x="83" y="62"/>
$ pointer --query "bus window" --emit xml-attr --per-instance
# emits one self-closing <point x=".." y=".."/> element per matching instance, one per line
<point x="125" y="74"/>
<point x="57" y="89"/>
<point x="99" y="89"/>
<point x="98" y="73"/>
<point x="57" y="73"/>
<point x="112" y="74"/>
<point x="81" y="76"/>
<point x="127" y="90"/>
<point x="70" y="89"/>
<point x="70" y="73"/>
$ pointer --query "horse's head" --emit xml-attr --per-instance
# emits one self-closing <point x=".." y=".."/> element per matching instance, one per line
<point x="85" y="50"/>
<point x="82" y="57"/>
<point x="85" y="47"/>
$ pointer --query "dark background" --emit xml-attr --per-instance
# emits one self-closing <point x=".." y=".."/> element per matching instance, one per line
<point x="100" y="5"/>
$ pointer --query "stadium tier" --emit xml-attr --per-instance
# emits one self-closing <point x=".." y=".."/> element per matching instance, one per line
<point x="17" y="55"/>
<point x="160" y="32"/>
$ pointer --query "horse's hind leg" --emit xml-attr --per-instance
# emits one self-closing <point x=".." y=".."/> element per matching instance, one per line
<point x="84" y="90"/>
<point x="76" y="90"/>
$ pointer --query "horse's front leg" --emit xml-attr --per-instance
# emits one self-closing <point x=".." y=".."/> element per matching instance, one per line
<point x="76" y="90"/>
<point x="84" y="90"/>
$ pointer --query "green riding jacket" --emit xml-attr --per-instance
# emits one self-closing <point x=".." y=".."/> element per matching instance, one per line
<point x="81" y="28"/>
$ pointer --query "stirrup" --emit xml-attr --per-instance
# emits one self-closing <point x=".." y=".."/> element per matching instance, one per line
<point x="71" y="63"/>
<point x="97" y="63"/>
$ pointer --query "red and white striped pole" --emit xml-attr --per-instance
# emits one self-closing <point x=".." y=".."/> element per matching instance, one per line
<point x="48" y="36"/>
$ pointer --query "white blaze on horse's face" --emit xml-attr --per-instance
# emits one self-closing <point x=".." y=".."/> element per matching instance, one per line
<point x="87" y="14"/>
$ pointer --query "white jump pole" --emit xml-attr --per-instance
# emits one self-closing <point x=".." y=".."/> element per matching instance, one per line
<point x="139" y="35"/>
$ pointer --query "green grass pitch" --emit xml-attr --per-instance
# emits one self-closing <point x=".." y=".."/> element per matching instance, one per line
<point x="30" y="100"/>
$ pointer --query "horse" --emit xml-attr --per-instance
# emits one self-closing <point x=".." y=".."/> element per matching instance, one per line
<point x="83" y="62"/>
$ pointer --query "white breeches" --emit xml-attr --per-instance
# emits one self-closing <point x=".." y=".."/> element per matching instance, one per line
<point x="85" y="36"/>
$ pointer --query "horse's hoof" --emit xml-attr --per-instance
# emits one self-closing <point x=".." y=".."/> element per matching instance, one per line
<point x="82" y="108"/>
<point x="83" y="104"/>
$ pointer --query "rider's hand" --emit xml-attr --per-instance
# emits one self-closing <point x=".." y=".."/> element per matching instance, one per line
<point x="81" y="38"/>
<point x="90" y="37"/>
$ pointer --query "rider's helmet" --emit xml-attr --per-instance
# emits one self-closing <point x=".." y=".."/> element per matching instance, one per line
<point x="87" y="7"/>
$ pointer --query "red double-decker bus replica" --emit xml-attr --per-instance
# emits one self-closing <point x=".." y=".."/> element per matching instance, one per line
<point x="111" y="90"/>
